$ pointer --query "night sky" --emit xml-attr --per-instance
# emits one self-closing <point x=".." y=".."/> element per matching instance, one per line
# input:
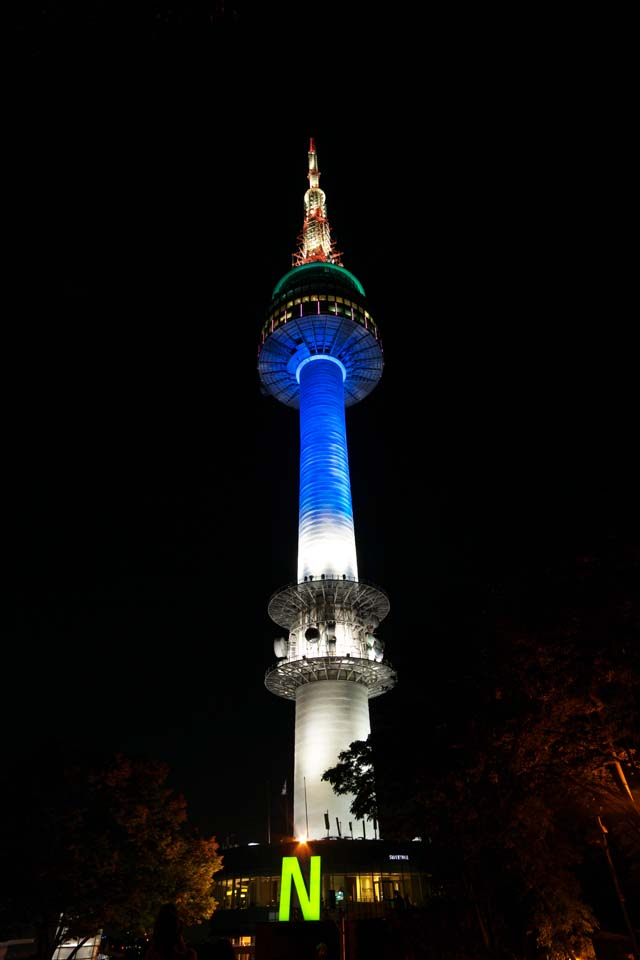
<point x="151" y="490"/>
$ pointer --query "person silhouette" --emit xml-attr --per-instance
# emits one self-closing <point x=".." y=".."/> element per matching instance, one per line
<point x="167" y="940"/>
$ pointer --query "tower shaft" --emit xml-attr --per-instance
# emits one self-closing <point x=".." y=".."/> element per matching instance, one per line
<point x="328" y="715"/>
<point x="326" y="538"/>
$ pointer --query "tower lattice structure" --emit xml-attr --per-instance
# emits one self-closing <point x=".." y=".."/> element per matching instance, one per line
<point x="320" y="352"/>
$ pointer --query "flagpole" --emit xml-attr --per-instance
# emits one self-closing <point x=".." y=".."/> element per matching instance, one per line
<point x="268" y="814"/>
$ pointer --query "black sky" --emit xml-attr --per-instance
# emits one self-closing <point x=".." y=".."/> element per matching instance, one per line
<point x="151" y="504"/>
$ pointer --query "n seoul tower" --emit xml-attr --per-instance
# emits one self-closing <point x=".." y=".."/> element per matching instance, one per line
<point x="320" y="352"/>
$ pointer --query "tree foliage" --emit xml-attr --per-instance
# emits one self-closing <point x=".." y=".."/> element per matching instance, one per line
<point x="537" y="737"/>
<point x="99" y="846"/>
<point x="353" y="774"/>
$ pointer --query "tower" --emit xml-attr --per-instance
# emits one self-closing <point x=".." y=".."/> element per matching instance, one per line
<point x="320" y="352"/>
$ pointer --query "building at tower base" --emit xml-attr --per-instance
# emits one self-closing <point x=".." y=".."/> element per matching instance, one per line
<point x="367" y="889"/>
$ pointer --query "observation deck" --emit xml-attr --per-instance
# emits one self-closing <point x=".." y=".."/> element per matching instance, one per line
<point x="284" y="678"/>
<point x="330" y="600"/>
<point x="351" y="608"/>
<point x="319" y="308"/>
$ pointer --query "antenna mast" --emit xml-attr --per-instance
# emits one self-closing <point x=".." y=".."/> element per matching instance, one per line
<point x="315" y="243"/>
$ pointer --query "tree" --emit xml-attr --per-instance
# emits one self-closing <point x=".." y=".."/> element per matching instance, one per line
<point x="99" y="846"/>
<point x="353" y="774"/>
<point x="536" y="738"/>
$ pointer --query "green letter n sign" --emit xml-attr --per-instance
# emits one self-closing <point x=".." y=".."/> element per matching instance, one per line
<point x="309" y="905"/>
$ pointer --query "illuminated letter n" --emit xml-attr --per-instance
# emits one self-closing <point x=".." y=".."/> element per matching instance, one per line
<point x="310" y="905"/>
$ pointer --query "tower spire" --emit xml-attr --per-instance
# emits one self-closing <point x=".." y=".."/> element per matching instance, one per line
<point x="315" y="243"/>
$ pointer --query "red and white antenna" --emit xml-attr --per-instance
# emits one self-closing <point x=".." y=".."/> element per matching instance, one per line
<point x="315" y="243"/>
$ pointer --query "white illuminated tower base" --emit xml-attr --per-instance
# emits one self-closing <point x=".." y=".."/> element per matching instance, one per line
<point x="320" y="352"/>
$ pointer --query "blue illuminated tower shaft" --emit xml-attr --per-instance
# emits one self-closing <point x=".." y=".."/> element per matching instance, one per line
<point x="326" y="538"/>
<point x="320" y="352"/>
